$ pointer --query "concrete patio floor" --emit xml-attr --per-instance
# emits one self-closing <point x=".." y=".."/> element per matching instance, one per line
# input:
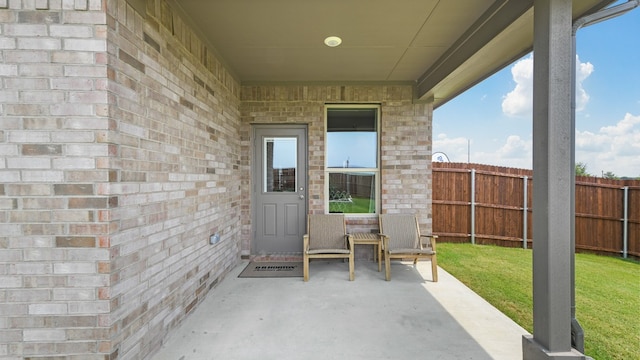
<point x="329" y="317"/>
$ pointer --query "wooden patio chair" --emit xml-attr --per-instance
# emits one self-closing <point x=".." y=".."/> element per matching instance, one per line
<point x="401" y="239"/>
<point x="327" y="238"/>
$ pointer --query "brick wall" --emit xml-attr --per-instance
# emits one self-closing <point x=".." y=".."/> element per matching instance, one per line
<point x="54" y="255"/>
<point x="405" y="144"/>
<point x="175" y="110"/>
<point x="119" y="157"/>
<point x="124" y="143"/>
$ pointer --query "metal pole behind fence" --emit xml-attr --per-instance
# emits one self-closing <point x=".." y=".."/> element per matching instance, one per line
<point x="625" y="224"/>
<point x="473" y="206"/>
<point x="524" y="213"/>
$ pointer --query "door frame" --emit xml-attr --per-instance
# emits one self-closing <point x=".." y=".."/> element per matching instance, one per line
<point x="255" y="164"/>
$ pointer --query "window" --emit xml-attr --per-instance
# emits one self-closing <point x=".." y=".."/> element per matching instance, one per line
<point x="352" y="159"/>
<point x="279" y="164"/>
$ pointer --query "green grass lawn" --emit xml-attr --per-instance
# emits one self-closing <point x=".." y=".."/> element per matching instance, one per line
<point x="357" y="206"/>
<point x="607" y="292"/>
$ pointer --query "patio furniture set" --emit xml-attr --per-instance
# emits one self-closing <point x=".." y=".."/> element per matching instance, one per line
<point x="399" y="238"/>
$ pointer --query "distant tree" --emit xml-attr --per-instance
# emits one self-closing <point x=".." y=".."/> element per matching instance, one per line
<point x="581" y="169"/>
<point x="610" y="175"/>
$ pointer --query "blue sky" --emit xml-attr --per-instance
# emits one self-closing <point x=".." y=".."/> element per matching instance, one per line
<point x="355" y="149"/>
<point x="491" y="123"/>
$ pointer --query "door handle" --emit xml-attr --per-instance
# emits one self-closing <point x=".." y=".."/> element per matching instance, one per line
<point x="301" y="197"/>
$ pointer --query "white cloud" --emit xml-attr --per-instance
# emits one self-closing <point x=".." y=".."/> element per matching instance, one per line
<point x="613" y="148"/>
<point x="583" y="70"/>
<point x="515" y="148"/>
<point x="515" y="152"/>
<point x="519" y="101"/>
<point x="456" y="149"/>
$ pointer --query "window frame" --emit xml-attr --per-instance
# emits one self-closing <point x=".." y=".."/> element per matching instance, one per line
<point x="376" y="171"/>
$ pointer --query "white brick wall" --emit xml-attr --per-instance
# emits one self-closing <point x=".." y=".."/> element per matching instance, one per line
<point x="32" y="163"/>
<point x="73" y="31"/>
<point x="48" y="309"/>
<point x="16" y="30"/>
<point x="73" y="294"/>
<point x="44" y="335"/>
<point x="39" y="44"/>
<point x="42" y="176"/>
<point x="8" y="70"/>
<point x="10" y="282"/>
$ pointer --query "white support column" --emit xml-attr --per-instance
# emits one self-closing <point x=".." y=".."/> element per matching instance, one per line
<point x="553" y="132"/>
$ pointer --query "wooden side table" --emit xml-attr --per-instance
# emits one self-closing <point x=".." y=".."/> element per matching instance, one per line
<point x="362" y="238"/>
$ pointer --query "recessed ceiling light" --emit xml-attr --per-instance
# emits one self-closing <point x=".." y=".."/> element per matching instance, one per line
<point x="332" y="41"/>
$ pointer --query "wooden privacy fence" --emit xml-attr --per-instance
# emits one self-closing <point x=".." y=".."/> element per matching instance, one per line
<point x="486" y="204"/>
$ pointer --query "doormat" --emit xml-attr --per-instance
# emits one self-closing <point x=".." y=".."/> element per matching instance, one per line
<point x="272" y="270"/>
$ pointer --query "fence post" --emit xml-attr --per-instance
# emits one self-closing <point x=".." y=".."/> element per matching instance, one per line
<point x="524" y="213"/>
<point x="473" y="206"/>
<point x="625" y="224"/>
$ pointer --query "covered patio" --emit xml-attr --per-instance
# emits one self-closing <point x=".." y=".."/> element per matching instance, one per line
<point x="329" y="317"/>
<point x="132" y="141"/>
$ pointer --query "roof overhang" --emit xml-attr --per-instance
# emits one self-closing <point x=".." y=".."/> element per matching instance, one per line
<point x="441" y="47"/>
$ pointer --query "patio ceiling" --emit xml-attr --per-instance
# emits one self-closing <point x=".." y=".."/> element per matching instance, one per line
<point x="443" y="47"/>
